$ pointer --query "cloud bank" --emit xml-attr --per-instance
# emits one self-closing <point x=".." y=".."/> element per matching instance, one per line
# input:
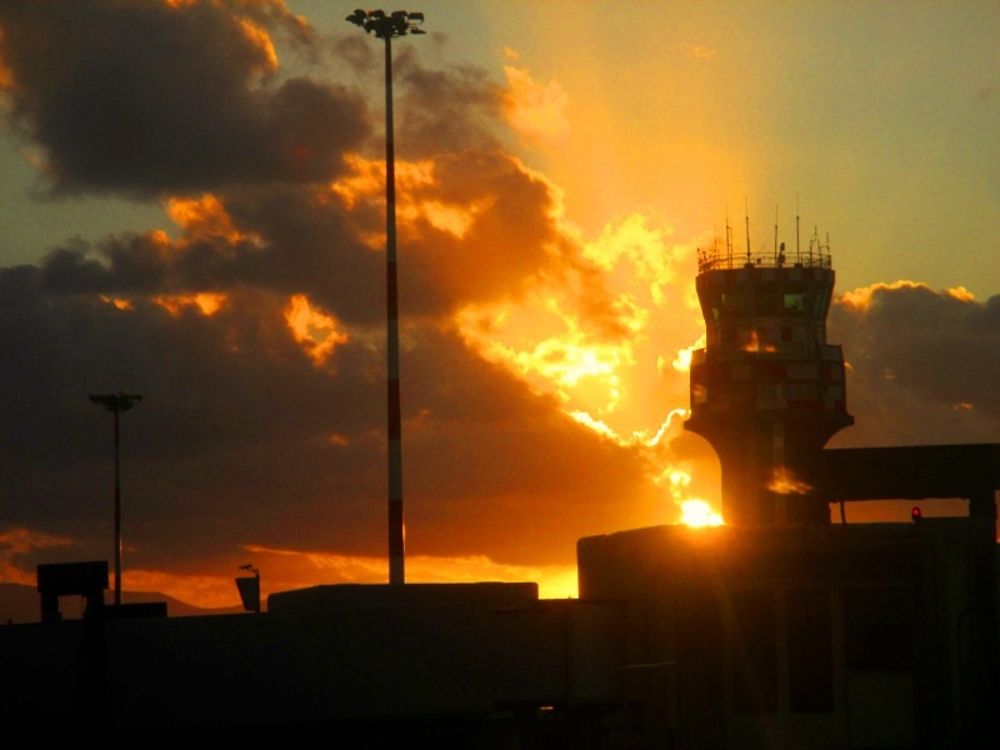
<point x="543" y="377"/>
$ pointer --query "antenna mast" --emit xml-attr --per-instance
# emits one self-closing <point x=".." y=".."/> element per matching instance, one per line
<point x="775" y="232"/>
<point x="798" y="252"/>
<point x="729" y="240"/>
<point x="746" y="215"/>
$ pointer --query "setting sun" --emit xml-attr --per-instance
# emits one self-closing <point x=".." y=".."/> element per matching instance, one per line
<point x="698" y="514"/>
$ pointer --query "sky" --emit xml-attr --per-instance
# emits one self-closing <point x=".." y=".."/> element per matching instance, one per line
<point x="192" y="208"/>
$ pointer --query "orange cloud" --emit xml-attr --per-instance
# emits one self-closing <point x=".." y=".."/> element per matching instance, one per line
<point x="682" y="362"/>
<point x="600" y="361"/>
<point x="18" y="540"/>
<point x="417" y="195"/>
<point x="119" y="302"/>
<point x="207" y="303"/>
<point x="536" y="111"/>
<point x="260" y="39"/>
<point x="205" y="218"/>
<point x="961" y="294"/>
<point x="861" y="298"/>
<point x="316" y="332"/>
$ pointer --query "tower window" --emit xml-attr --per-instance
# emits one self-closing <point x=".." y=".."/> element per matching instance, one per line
<point x="795" y="303"/>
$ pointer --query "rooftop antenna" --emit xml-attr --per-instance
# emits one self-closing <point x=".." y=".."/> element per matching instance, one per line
<point x="776" y="233"/>
<point x="729" y="240"/>
<point x="798" y="251"/>
<point x="746" y="215"/>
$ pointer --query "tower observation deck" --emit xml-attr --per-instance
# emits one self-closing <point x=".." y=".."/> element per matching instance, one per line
<point x="767" y="391"/>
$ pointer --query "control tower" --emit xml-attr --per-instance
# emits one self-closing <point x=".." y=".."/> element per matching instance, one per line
<point x="767" y="391"/>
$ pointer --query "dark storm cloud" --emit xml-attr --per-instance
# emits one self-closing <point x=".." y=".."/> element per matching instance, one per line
<point x="143" y="98"/>
<point x="295" y="244"/>
<point x="307" y="239"/>
<point x="240" y="439"/>
<point x="923" y="365"/>
<point x="445" y="110"/>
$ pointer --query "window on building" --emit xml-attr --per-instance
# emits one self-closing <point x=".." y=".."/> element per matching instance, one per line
<point x="795" y="303"/>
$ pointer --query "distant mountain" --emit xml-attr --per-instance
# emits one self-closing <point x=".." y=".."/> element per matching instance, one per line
<point x="20" y="604"/>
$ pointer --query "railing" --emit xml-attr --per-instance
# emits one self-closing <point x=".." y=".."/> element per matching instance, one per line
<point x="713" y="258"/>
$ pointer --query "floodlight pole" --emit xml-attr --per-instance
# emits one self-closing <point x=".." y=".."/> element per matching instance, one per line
<point x="397" y="536"/>
<point x="386" y="26"/>
<point x="115" y="403"/>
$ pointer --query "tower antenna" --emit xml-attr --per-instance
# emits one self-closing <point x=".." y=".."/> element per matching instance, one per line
<point x="798" y="251"/>
<point x="729" y="240"/>
<point x="775" y="233"/>
<point x="746" y="216"/>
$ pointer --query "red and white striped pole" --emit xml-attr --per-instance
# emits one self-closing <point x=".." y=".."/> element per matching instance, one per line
<point x="397" y="535"/>
<point x="386" y="26"/>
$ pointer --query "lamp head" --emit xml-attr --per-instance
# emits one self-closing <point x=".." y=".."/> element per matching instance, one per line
<point x="358" y="17"/>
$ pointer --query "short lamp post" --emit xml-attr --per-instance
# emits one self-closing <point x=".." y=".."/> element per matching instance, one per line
<point x="115" y="403"/>
<point x="388" y="26"/>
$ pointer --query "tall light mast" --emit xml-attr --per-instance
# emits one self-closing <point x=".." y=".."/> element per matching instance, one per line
<point x="388" y="26"/>
<point x="115" y="403"/>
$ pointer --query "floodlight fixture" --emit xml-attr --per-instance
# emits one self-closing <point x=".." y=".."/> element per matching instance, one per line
<point x="387" y="26"/>
<point x="358" y="17"/>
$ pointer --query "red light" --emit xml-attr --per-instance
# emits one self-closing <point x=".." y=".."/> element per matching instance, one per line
<point x="916" y="515"/>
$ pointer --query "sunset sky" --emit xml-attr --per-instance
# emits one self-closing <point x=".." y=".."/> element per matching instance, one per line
<point x="191" y="208"/>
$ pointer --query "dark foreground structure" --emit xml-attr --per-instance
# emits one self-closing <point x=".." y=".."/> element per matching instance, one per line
<point x="778" y="630"/>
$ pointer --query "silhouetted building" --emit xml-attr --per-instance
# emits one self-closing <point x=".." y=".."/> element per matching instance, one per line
<point x="781" y="630"/>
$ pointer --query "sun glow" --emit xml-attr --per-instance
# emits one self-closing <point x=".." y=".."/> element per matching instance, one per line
<point x="694" y="510"/>
<point x="536" y="111"/>
<point x="682" y="362"/>
<point x="291" y="568"/>
<point x="699" y="514"/>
